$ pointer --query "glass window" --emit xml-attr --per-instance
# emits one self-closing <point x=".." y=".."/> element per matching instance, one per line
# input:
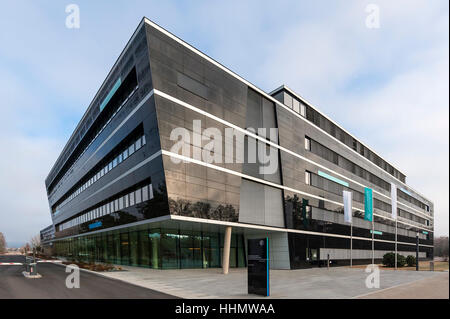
<point x="138" y="144"/>
<point x="138" y="196"/>
<point x="150" y="191"/>
<point x="121" y="203"/>
<point x="307" y="143"/>
<point x="108" y="209"/>
<point x="296" y="106"/>
<point x="110" y="166"/>
<point x="125" y="154"/>
<point x="302" y="110"/>
<point x="126" y="203"/>
<point x="131" y="150"/>
<point x="116" y="204"/>
<point x="120" y="158"/>
<point x="134" y="245"/>
<point x="114" y="162"/>
<point x="144" y="193"/>
<point x="124" y="249"/>
<point x="307" y="178"/>
<point x="288" y="100"/>
<point x="144" y="248"/>
<point x="168" y="251"/>
<point x="143" y="140"/>
<point x="131" y="199"/>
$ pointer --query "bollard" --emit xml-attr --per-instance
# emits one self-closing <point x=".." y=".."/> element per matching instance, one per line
<point x="431" y="265"/>
<point x="33" y="269"/>
<point x="328" y="261"/>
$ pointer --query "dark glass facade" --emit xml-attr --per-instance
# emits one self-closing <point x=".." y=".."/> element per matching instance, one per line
<point x="158" y="248"/>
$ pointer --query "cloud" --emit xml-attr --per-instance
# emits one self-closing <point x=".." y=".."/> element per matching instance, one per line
<point x="387" y="86"/>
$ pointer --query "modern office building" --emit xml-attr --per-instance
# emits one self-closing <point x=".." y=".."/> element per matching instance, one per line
<point x="171" y="157"/>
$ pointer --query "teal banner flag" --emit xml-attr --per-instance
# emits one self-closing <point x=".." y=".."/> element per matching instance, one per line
<point x="368" y="205"/>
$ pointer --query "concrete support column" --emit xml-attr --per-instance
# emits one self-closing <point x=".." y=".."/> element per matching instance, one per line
<point x="226" y="250"/>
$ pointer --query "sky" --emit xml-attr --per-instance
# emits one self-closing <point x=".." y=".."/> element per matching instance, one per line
<point x="388" y="85"/>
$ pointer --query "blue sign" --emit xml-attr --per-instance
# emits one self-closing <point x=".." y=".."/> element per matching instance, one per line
<point x="95" y="225"/>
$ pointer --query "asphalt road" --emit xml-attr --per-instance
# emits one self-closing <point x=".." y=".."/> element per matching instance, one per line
<point x="53" y="284"/>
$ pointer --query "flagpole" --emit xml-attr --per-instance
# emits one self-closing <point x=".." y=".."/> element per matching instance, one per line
<point x="396" y="244"/>
<point x="351" y="243"/>
<point x="373" y="251"/>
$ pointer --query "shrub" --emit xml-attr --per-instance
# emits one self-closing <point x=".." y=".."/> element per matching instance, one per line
<point x="401" y="260"/>
<point x="389" y="260"/>
<point x="410" y="261"/>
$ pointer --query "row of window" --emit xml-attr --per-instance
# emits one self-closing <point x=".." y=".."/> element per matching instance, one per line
<point x="413" y="200"/>
<point x="321" y="121"/>
<point x="415" y="218"/>
<point x="133" y="198"/>
<point x="136" y="145"/>
<point x="331" y="156"/>
<point x="295" y="104"/>
<point x="99" y="129"/>
<point x="335" y="188"/>
<point x="344" y="163"/>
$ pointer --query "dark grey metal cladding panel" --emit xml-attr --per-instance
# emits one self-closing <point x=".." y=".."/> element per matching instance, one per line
<point x="135" y="55"/>
<point x="254" y="114"/>
<point x="192" y="85"/>
<point x="269" y="118"/>
<point x="217" y="92"/>
<point x="145" y="115"/>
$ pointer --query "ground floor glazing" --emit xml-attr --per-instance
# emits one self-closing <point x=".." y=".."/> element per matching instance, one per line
<point x="154" y="248"/>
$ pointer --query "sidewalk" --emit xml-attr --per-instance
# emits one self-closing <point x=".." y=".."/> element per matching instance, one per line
<point x="314" y="283"/>
<point x="435" y="287"/>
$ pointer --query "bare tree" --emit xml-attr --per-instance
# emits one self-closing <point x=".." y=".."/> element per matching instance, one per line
<point x="35" y="243"/>
<point x="441" y="246"/>
<point x="2" y="243"/>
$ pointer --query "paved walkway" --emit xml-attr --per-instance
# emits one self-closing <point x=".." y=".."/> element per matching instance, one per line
<point x="315" y="283"/>
<point x="435" y="287"/>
